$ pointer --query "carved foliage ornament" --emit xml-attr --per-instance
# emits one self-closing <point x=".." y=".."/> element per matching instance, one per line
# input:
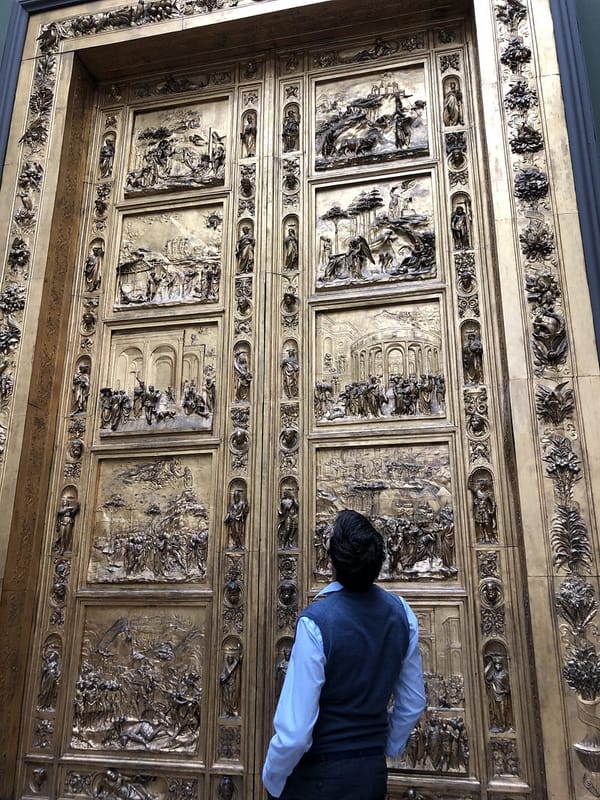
<point x="576" y="603"/>
<point x="516" y="54"/>
<point x="531" y="185"/>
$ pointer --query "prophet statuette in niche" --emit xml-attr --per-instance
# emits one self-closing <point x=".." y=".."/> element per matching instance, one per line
<point x="65" y="521"/>
<point x="230" y="678"/>
<point x="244" y="251"/>
<point x="93" y="267"/>
<point x="289" y="371"/>
<point x="287" y="525"/>
<point x="290" y="248"/>
<point x="484" y="509"/>
<point x="497" y="683"/>
<point x="290" y="133"/>
<point x="453" y="103"/>
<point x="242" y="374"/>
<point x="460" y="226"/>
<point x="248" y="135"/>
<point x="235" y="519"/>
<point x="107" y="156"/>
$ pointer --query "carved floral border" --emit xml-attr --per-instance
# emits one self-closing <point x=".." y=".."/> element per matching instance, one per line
<point x="560" y="453"/>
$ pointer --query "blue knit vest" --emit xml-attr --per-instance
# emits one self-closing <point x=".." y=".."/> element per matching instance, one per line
<point x="365" y="638"/>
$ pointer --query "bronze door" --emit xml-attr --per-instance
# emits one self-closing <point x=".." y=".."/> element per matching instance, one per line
<point x="284" y="307"/>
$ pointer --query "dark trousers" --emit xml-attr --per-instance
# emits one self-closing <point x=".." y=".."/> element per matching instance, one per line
<point x="357" y="778"/>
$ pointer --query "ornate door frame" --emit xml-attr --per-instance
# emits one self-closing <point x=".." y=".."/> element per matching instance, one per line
<point x="551" y="416"/>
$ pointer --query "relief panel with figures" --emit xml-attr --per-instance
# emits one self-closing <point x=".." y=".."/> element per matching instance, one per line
<point x="371" y="118"/>
<point x="161" y="380"/>
<point x="140" y="679"/>
<point x="152" y="520"/>
<point x="368" y="234"/>
<point x="379" y="362"/>
<point x="170" y="258"/>
<point x="406" y="491"/>
<point x="178" y="148"/>
<point x="440" y="740"/>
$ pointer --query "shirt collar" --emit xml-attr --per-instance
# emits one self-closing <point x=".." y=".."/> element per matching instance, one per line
<point x="334" y="586"/>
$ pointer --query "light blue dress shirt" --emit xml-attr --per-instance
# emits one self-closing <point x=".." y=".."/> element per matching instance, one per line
<point x="298" y="706"/>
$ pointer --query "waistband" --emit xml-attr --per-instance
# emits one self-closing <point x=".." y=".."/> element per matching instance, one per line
<point x="338" y="755"/>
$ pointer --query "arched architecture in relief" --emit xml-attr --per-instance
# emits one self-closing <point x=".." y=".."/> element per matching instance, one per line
<point x="263" y="261"/>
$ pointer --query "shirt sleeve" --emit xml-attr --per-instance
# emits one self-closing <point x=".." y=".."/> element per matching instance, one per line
<point x="298" y="707"/>
<point x="409" y="692"/>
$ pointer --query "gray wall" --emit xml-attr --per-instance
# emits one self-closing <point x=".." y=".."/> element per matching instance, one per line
<point x="588" y="16"/>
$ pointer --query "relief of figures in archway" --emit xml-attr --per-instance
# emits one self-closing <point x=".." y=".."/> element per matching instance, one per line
<point x="439" y="741"/>
<point x="371" y="118"/>
<point x="170" y="258"/>
<point x="160" y="379"/>
<point x="178" y="148"/>
<point x="376" y="233"/>
<point x="379" y="363"/>
<point x="140" y="679"/>
<point x="152" y="520"/>
<point x="406" y="492"/>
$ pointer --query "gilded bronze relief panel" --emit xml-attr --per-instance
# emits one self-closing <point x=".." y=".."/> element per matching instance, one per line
<point x="179" y="147"/>
<point x="161" y="379"/>
<point x="370" y="118"/>
<point x="406" y="490"/>
<point x="379" y="363"/>
<point x="374" y="233"/>
<point x="171" y="257"/>
<point x="140" y="680"/>
<point x="440" y="740"/>
<point x="153" y="518"/>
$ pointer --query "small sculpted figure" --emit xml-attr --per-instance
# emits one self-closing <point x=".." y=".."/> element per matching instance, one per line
<point x="230" y="682"/>
<point x="248" y="135"/>
<point x="244" y="251"/>
<point x="235" y="520"/>
<point x="291" y="131"/>
<point x="453" y="106"/>
<point x="65" y="522"/>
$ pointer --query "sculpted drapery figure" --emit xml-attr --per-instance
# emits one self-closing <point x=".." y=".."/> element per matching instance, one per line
<point x="230" y="681"/>
<point x="81" y="388"/>
<point x="289" y="370"/>
<point x="291" y="249"/>
<point x="291" y="131"/>
<point x="65" y="522"/>
<point x="235" y="520"/>
<point x="484" y="511"/>
<point x="287" y="526"/>
<point x="453" y="106"/>
<point x="248" y="135"/>
<point x="243" y="376"/>
<point x="244" y="251"/>
<point x="497" y="683"/>
<point x="93" y="268"/>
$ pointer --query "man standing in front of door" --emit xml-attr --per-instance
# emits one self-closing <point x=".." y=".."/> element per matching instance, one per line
<point x="355" y="647"/>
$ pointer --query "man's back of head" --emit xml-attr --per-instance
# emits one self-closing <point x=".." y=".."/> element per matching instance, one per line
<point x="356" y="550"/>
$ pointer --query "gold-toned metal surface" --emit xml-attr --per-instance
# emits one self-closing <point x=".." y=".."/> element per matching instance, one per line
<point x="284" y="295"/>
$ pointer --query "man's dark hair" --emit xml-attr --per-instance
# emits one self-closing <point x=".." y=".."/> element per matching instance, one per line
<point x="356" y="551"/>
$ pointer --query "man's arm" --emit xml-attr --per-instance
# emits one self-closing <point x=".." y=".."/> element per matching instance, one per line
<point x="409" y="692"/>
<point x="298" y="707"/>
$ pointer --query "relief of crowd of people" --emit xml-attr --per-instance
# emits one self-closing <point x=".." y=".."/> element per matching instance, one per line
<point x="154" y="406"/>
<point x="410" y="395"/>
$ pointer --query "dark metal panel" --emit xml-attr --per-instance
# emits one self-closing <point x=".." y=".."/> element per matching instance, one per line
<point x="582" y="141"/>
